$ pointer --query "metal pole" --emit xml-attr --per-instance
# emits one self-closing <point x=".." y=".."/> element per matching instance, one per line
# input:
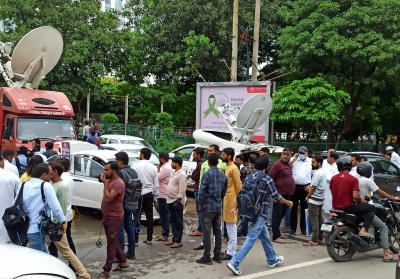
<point x="126" y="113"/>
<point x="235" y="30"/>
<point x="273" y="88"/>
<point x="256" y="40"/>
<point x="87" y="106"/>
<point x="248" y="61"/>
<point x="162" y="106"/>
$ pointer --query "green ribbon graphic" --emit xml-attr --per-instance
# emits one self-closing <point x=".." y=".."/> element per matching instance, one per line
<point x="211" y="106"/>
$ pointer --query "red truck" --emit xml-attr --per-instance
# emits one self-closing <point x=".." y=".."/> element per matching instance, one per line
<point x="28" y="114"/>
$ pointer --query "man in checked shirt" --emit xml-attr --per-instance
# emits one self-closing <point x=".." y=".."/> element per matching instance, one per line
<point x="258" y="230"/>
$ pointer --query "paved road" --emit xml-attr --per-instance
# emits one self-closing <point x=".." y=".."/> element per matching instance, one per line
<point x="160" y="261"/>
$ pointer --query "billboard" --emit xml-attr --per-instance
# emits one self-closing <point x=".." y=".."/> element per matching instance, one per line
<point x="211" y="95"/>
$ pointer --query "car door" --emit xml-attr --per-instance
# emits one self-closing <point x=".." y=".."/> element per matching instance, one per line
<point x="387" y="176"/>
<point x="88" y="191"/>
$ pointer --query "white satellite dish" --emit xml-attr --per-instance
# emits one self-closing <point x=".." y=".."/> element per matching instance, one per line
<point x="254" y="112"/>
<point x="36" y="54"/>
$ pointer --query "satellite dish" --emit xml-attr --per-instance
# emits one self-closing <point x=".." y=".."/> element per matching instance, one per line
<point x="36" y="54"/>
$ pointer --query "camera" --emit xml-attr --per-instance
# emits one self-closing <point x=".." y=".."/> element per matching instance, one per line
<point x="49" y="227"/>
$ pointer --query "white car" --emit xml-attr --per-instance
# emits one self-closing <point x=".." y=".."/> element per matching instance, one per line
<point x="131" y="148"/>
<point x="186" y="152"/>
<point x="85" y="168"/>
<point x="25" y="263"/>
<point x="123" y="139"/>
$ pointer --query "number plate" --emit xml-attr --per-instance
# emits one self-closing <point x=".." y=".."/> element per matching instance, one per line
<point x="326" y="227"/>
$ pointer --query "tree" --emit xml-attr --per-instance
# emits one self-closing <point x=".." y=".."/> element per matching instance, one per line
<point x="93" y="41"/>
<point x="164" y="121"/>
<point x="352" y="44"/>
<point x="309" y="104"/>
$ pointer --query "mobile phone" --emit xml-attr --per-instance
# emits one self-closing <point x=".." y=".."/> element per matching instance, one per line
<point x="100" y="179"/>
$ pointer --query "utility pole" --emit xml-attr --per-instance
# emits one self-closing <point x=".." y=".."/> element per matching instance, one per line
<point x="88" y="106"/>
<point x="126" y="113"/>
<point x="235" y="31"/>
<point x="256" y="40"/>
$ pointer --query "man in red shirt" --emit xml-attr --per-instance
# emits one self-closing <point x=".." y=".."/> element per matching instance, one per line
<point x="113" y="213"/>
<point x="345" y="190"/>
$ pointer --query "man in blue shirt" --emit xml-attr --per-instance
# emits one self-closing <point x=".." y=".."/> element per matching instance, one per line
<point x="211" y="194"/>
<point x="258" y="230"/>
<point x="33" y="205"/>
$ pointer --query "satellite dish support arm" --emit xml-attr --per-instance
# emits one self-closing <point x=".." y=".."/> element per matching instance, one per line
<point x="246" y="133"/>
<point x="25" y="76"/>
<point x="231" y="130"/>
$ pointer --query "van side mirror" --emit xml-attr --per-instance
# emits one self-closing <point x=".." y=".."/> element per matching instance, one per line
<point x="7" y="132"/>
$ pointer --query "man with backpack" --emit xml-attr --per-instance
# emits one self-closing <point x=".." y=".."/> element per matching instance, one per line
<point x="258" y="189"/>
<point x="22" y="160"/>
<point x="128" y="175"/>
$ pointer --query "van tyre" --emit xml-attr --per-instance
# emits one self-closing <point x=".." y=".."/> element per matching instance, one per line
<point x="341" y="245"/>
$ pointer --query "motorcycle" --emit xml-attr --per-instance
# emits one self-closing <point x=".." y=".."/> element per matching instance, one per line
<point x="343" y="228"/>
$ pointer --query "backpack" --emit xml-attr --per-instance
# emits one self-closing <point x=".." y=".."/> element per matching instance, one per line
<point x="248" y="199"/>
<point x="19" y="165"/>
<point x="133" y="191"/>
<point x="16" y="221"/>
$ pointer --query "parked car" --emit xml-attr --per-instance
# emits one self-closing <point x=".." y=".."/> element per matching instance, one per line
<point x="132" y="148"/>
<point x="23" y="262"/>
<point x="85" y="168"/>
<point x="123" y="139"/>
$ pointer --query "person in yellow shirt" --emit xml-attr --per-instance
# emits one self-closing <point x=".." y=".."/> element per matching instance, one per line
<point x="33" y="162"/>
<point x="234" y="186"/>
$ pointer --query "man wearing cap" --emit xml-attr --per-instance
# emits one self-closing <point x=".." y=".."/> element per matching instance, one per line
<point x="394" y="157"/>
<point x="301" y="168"/>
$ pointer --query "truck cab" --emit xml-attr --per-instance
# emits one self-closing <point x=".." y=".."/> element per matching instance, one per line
<point x="27" y="114"/>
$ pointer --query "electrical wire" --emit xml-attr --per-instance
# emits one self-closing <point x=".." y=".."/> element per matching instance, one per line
<point x="98" y="243"/>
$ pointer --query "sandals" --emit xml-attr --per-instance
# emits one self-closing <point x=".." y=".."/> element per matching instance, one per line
<point x="310" y="243"/>
<point x="391" y="260"/>
<point x="280" y="240"/>
<point x="147" y="242"/>
<point x="104" y="274"/>
<point x="119" y="268"/>
<point x="196" y="233"/>
<point x="161" y="238"/>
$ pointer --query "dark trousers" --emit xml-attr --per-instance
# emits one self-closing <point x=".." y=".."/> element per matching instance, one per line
<point x="127" y="226"/>
<point x="367" y="211"/>
<point x="211" y="220"/>
<point x="136" y="220"/>
<point x="53" y="249"/>
<point x="299" y="196"/>
<point x="176" y="220"/>
<point x="163" y="210"/>
<point x="148" y="203"/>
<point x="244" y="228"/>
<point x="278" y="212"/>
<point x="316" y="220"/>
<point x="111" y="229"/>
<point x="196" y="196"/>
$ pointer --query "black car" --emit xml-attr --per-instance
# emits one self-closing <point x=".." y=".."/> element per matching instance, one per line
<point x="386" y="174"/>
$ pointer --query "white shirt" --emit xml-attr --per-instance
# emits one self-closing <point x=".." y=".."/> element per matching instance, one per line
<point x="10" y="167"/>
<point x="41" y="155"/>
<point x="86" y="130"/>
<point x="302" y="171"/>
<point x="367" y="187"/>
<point x="330" y="170"/>
<point x="148" y="176"/>
<point x="9" y="186"/>
<point x="395" y="158"/>
<point x="66" y="177"/>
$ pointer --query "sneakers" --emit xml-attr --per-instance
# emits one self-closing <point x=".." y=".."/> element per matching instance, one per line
<point x="292" y="233"/>
<point x="234" y="269"/>
<point x="130" y="256"/>
<point x="177" y="245"/>
<point x="217" y="259"/>
<point x="277" y="261"/>
<point x="204" y="260"/>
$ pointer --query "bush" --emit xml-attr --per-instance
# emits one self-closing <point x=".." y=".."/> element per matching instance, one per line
<point x="109" y="117"/>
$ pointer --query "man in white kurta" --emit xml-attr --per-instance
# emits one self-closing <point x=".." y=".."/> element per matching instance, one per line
<point x="331" y="169"/>
<point x="9" y="186"/>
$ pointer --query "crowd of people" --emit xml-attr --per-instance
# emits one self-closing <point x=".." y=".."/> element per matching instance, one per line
<point x="300" y="180"/>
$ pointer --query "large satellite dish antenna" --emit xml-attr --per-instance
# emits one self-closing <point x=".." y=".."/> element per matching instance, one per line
<point x="36" y="54"/>
<point x="254" y="112"/>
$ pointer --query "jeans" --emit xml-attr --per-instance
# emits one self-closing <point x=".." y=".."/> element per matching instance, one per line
<point x="364" y="209"/>
<point x="176" y="220"/>
<point x="211" y="220"/>
<point x="287" y="218"/>
<point x="164" y="216"/>
<point x="37" y="241"/>
<point x="316" y="220"/>
<point x="196" y="196"/>
<point x="258" y="230"/>
<point x="278" y="212"/>
<point x="111" y="230"/>
<point x="384" y="232"/>
<point x="299" y="195"/>
<point x="127" y="226"/>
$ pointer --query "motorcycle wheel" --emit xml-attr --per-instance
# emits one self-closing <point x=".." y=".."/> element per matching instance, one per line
<point x="394" y="245"/>
<point x="341" y="244"/>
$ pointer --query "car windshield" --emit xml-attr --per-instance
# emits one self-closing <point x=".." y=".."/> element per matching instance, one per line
<point x="42" y="128"/>
<point x="132" y="160"/>
<point x="137" y="142"/>
<point x="153" y="158"/>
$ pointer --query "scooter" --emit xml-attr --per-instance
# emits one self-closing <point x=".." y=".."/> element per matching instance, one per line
<point x="342" y="239"/>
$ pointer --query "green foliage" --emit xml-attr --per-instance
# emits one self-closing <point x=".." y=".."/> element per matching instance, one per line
<point x="109" y="117"/>
<point x="164" y="121"/>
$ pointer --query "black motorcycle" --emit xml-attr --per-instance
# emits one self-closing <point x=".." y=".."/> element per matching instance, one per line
<point x="342" y="239"/>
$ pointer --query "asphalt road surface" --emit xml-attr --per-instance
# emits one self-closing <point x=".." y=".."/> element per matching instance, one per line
<point x="160" y="261"/>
